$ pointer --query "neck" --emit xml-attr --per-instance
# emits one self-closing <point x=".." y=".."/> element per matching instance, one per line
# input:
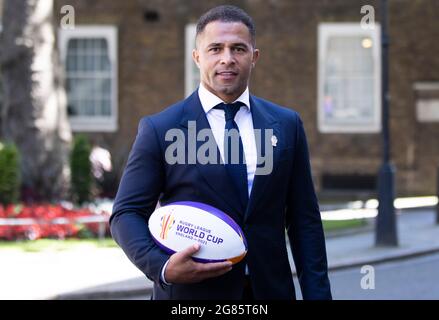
<point x="227" y="98"/>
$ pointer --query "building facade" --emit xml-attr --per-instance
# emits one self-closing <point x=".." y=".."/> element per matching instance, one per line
<point x="127" y="59"/>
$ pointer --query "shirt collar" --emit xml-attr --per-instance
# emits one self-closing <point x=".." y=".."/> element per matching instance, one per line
<point x="209" y="100"/>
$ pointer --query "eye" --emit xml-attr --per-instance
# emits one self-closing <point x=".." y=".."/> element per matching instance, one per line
<point x="214" y="49"/>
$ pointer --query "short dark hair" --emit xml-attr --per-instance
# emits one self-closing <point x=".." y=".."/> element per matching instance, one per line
<point x="227" y="13"/>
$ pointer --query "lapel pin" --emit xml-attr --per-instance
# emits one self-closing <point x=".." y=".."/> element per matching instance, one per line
<point x="273" y="141"/>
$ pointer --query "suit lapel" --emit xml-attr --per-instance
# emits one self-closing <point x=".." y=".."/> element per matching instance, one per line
<point x="262" y="121"/>
<point x="215" y="175"/>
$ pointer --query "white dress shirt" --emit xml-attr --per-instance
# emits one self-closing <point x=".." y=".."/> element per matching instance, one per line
<point x="243" y="119"/>
<point x="217" y="122"/>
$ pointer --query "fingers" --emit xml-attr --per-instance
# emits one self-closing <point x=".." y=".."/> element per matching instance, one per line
<point x="209" y="270"/>
<point x="215" y="266"/>
<point x="216" y="272"/>
<point x="188" y="252"/>
<point x="183" y="269"/>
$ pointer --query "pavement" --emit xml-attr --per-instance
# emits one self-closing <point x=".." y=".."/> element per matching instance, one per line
<point x="106" y="273"/>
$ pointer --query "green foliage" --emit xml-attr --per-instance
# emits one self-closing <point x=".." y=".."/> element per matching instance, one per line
<point x="331" y="225"/>
<point x="80" y="166"/>
<point x="9" y="174"/>
<point x="84" y="232"/>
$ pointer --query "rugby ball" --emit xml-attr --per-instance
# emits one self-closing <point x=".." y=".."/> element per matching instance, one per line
<point x="179" y="225"/>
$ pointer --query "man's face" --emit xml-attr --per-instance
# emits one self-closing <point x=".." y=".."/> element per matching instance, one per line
<point x="225" y="56"/>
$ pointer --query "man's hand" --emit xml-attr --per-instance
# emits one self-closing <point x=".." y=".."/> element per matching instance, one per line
<point x="182" y="269"/>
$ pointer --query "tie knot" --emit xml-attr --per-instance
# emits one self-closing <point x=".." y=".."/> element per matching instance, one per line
<point x="230" y="109"/>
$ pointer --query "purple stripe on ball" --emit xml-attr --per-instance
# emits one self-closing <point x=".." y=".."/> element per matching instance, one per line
<point x="216" y="212"/>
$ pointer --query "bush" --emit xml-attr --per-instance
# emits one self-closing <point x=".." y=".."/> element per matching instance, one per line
<point x="9" y="174"/>
<point x="80" y="166"/>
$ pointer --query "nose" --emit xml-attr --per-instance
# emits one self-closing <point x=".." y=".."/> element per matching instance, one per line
<point x="227" y="57"/>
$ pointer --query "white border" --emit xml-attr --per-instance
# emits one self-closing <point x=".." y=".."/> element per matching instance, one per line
<point x="109" y="32"/>
<point x="325" y="30"/>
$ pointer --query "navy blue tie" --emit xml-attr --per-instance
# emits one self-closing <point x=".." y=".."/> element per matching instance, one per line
<point x="234" y="158"/>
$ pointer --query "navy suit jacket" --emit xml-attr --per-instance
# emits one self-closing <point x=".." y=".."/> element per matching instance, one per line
<point x="284" y="199"/>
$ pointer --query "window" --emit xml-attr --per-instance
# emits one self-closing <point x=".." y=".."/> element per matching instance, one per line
<point x="192" y="73"/>
<point x="89" y="56"/>
<point x="349" y="86"/>
<point x="427" y="101"/>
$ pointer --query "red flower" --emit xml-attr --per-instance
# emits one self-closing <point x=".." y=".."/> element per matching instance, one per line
<point x="49" y="221"/>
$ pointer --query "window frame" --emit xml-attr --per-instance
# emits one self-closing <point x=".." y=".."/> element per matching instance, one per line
<point x="109" y="32"/>
<point x="325" y="31"/>
<point x="190" y="32"/>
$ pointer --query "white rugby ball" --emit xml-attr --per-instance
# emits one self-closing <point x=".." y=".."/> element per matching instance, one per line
<point x="179" y="225"/>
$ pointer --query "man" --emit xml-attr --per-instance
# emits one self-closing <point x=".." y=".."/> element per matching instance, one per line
<point x="263" y="202"/>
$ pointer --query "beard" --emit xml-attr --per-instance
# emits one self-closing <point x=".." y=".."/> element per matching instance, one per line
<point x="230" y="89"/>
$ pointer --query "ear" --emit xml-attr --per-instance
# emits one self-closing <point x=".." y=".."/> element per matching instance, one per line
<point x="255" y="57"/>
<point x="196" y="57"/>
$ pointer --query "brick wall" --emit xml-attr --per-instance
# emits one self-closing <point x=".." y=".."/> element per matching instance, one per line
<point x="151" y="75"/>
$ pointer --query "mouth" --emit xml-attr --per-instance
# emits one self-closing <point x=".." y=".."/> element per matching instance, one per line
<point x="227" y="75"/>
